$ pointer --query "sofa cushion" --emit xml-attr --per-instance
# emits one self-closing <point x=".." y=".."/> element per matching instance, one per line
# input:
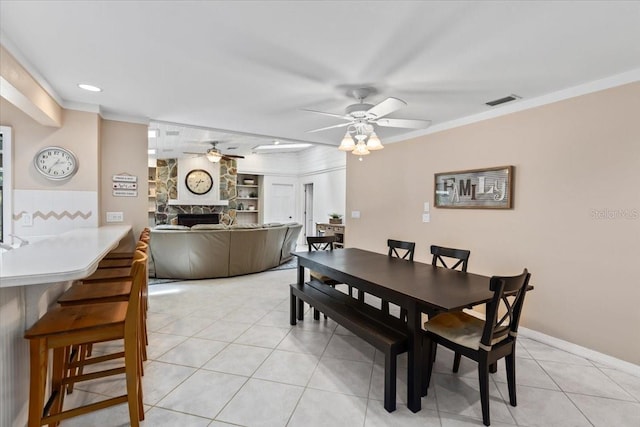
<point x="244" y="226"/>
<point x="170" y="227"/>
<point x="196" y="254"/>
<point x="209" y="227"/>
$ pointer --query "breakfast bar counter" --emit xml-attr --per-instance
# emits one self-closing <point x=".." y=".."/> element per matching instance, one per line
<point x="32" y="277"/>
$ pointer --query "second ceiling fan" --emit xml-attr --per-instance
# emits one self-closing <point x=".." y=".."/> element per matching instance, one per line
<point x="214" y="155"/>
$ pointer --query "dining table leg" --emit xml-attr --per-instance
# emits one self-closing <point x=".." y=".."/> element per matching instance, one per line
<point x="414" y="368"/>
<point x="300" y="282"/>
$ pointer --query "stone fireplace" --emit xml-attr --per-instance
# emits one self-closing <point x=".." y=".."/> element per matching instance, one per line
<point x="167" y="189"/>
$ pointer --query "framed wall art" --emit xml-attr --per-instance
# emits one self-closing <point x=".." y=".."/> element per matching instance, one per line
<point x="489" y="188"/>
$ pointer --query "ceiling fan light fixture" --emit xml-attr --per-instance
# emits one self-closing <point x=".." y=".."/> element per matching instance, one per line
<point x="214" y="156"/>
<point x="361" y="149"/>
<point x="347" y="144"/>
<point x="374" y="143"/>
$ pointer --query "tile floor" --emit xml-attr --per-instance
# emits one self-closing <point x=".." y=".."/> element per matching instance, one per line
<point x="222" y="352"/>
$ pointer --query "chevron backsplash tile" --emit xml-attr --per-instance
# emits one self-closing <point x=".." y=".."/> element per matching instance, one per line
<point x="53" y="212"/>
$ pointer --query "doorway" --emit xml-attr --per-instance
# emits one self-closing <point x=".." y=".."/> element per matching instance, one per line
<point x="309" y="228"/>
<point x="281" y="206"/>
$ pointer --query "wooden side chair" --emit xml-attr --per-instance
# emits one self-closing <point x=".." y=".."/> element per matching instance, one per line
<point x="482" y="341"/>
<point x="442" y="255"/>
<point x="63" y="328"/>
<point x="322" y="243"/>
<point x="457" y="259"/>
<point x="397" y="249"/>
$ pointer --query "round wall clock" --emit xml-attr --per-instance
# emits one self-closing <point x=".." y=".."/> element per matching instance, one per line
<point x="198" y="181"/>
<point x="56" y="163"/>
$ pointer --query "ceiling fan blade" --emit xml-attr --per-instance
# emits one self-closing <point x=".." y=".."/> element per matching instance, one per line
<point x="341" y="125"/>
<point x="191" y="152"/>
<point x="232" y="156"/>
<point x="403" y="123"/>
<point x="340" y="116"/>
<point x="385" y="107"/>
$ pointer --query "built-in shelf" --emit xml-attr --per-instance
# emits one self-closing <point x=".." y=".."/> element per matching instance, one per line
<point x="248" y="195"/>
<point x="151" y="175"/>
<point x="177" y="202"/>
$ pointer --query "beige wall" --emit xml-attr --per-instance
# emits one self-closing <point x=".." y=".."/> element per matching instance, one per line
<point x="23" y="91"/>
<point x="79" y="133"/>
<point x="571" y="158"/>
<point x="123" y="149"/>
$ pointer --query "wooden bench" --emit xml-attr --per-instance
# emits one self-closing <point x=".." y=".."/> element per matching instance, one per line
<point x="386" y="333"/>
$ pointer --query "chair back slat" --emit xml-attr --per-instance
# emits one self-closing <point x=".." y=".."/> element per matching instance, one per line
<point x="320" y="243"/>
<point x="138" y="288"/>
<point x="401" y="249"/>
<point x="508" y="292"/>
<point x="460" y="255"/>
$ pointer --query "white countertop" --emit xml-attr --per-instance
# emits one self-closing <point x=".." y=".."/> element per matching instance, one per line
<point x="69" y="256"/>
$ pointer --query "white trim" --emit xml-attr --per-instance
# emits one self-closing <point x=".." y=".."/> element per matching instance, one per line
<point x="7" y="184"/>
<point x="124" y="118"/>
<point x="321" y="171"/>
<point x="587" y="353"/>
<point x="525" y="104"/>
<point x="81" y="106"/>
<point x="22" y="60"/>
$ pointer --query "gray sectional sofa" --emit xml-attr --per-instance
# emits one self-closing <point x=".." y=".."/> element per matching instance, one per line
<point x="214" y="250"/>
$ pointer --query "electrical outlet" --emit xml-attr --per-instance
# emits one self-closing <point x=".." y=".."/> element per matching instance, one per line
<point x="27" y="219"/>
<point x="115" y="216"/>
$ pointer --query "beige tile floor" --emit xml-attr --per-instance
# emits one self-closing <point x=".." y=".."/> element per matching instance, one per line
<point x="222" y="352"/>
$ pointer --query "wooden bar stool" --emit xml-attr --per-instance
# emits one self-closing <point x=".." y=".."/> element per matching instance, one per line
<point x="112" y="291"/>
<point x="145" y="236"/>
<point x="123" y="261"/>
<point x="109" y="274"/>
<point x="62" y="328"/>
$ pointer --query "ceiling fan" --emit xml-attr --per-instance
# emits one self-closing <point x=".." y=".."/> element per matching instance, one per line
<point x="214" y="155"/>
<point x="363" y="116"/>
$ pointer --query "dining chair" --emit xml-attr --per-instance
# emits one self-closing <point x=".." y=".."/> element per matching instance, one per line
<point x="484" y="341"/>
<point x="397" y="249"/>
<point x="442" y="255"/>
<point x="458" y="259"/>
<point x="322" y="243"/>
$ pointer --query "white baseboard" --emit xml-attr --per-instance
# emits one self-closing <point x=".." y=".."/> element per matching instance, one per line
<point x="587" y="353"/>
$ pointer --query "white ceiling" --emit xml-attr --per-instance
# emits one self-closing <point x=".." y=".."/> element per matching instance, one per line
<point x="251" y="66"/>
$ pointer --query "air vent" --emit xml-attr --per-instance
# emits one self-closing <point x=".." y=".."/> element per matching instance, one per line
<point x="172" y="133"/>
<point x="503" y="100"/>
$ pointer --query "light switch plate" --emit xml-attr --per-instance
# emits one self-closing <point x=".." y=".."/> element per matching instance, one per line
<point x="426" y="217"/>
<point x="355" y="214"/>
<point x="115" y="216"/>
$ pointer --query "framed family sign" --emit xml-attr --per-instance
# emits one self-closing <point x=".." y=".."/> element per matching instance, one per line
<point x="490" y="188"/>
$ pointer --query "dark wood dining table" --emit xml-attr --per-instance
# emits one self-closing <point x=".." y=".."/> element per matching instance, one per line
<point x="414" y="285"/>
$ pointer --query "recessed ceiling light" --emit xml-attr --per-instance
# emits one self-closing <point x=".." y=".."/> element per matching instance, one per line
<point x="90" y="88"/>
<point x="153" y="133"/>
<point x="281" y="146"/>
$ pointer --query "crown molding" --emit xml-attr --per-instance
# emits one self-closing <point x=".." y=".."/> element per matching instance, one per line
<point x="11" y="47"/>
<point x="525" y="104"/>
